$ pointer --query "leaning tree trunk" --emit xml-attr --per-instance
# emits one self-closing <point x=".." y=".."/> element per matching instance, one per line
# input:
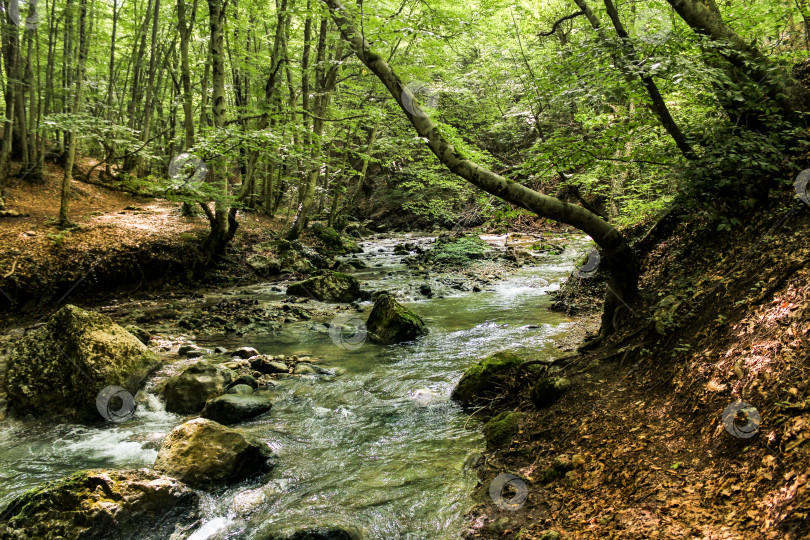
<point x="619" y="257"/>
<point x="788" y="94"/>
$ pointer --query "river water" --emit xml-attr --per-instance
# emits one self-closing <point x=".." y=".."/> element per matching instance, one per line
<point x="378" y="448"/>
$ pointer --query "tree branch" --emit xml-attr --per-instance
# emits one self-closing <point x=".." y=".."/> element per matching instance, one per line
<point x="558" y="23"/>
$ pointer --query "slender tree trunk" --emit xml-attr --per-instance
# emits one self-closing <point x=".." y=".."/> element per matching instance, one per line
<point x="625" y="64"/>
<point x="324" y="85"/>
<point x="11" y="53"/>
<point x="149" y="102"/>
<point x="789" y="95"/>
<point x="77" y="103"/>
<point x="185" y="26"/>
<point x="620" y="258"/>
<point x="222" y="219"/>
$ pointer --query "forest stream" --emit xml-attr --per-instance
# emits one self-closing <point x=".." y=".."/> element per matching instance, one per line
<point x="378" y="447"/>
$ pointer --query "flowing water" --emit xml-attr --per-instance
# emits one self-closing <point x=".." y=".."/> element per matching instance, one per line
<point x="378" y="448"/>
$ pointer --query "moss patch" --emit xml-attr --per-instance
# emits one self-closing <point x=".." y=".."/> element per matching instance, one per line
<point x="487" y="379"/>
<point x="458" y="251"/>
<point x="503" y="428"/>
<point x="391" y="322"/>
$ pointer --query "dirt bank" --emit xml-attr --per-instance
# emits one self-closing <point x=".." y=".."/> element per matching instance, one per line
<point x="638" y="447"/>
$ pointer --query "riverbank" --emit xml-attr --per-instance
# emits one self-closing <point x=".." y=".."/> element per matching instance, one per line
<point x="645" y="443"/>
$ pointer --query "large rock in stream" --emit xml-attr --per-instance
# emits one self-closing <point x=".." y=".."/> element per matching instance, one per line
<point x="487" y="379"/>
<point x="390" y="322"/>
<point x="234" y="408"/>
<point x="101" y="504"/>
<point x="188" y="392"/>
<point x="59" y="370"/>
<point x="327" y="287"/>
<point x="334" y="242"/>
<point x="207" y="455"/>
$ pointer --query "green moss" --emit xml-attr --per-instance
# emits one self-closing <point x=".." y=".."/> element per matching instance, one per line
<point x="391" y="322"/>
<point x="333" y="241"/>
<point x="548" y="391"/>
<point x="458" y="251"/>
<point x="503" y="428"/>
<point x="484" y="380"/>
<point x="327" y="287"/>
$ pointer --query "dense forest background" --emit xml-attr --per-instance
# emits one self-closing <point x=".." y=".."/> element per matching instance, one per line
<point x="619" y="107"/>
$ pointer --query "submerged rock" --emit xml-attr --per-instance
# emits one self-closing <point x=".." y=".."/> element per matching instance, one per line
<point x="59" y="370"/>
<point x="103" y="504"/>
<point x="487" y="379"/>
<point x="205" y="454"/>
<point x="188" y="392"/>
<point x="327" y="287"/>
<point x="245" y="352"/>
<point x="391" y="322"/>
<point x="503" y="428"/>
<point x="548" y="391"/>
<point x="318" y="533"/>
<point x="237" y="407"/>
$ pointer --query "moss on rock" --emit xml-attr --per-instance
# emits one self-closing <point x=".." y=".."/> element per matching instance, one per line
<point x="102" y="504"/>
<point x="548" y="391"/>
<point x="503" y="428"/>
<point x="205" y="454"/>
<point x="390" y="322"/>
<point x="334" y="242"/>
<point x="59" y="370"/>
<point x="458" y="250"/>
<point x="486" y="380"/>
<point x="327" y="287"/>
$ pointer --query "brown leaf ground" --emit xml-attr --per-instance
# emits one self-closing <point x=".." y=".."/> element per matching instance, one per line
<point x="122" y="243"/>
<point x="642" y="420"/>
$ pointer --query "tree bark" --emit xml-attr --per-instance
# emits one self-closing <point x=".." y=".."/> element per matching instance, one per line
<point x="789" y="95"/>
<point x="620" y="258"/>
<point x="77" y="104"/>
<point x="659" y="106"/>
<point x="222" y="219"/>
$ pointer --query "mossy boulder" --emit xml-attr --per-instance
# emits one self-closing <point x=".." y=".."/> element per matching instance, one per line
<point x="334" y="242"/>
<point x="103" y="504"/>
<point x="188" y="392"/>
<point x="503" y="428"/>
<point x="487" y="379"/>
<point x="237" y="407"/>
<point x="206" y="455"/>
<point x="548" y="391"/>
<point x="279" y="257"/>
<point x="59" y="370"/>
<point x="391" y="322"/>
<point x="327" y="286"/>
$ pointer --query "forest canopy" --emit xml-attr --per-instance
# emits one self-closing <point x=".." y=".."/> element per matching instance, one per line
<point x="620" y="108"/>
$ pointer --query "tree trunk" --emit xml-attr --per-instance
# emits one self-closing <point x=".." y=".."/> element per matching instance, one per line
<point x="222" y="219"/>
<point x="10" y="37"/>
<point x="620" y="258"/>
<point x="77" y="103"/>
<point x="788" y="94"/>
<point x="659" y="106"/>
<point x="185" y="26"/>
